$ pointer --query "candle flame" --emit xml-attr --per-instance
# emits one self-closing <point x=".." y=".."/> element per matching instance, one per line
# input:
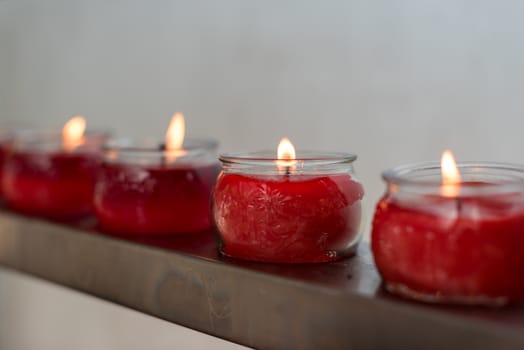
<point x="73" y="133"/>
<point x="286" y="155"/>
<point x="175" y="137"/>
<point x="450" y="175"/>
<point x="175" y="132"/>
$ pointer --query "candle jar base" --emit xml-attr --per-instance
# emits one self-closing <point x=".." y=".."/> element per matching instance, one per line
<point x="242" y="253"/>
<point x="440" y="298"/>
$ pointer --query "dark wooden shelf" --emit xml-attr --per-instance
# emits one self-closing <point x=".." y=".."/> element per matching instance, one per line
<point x="184" y="280"/>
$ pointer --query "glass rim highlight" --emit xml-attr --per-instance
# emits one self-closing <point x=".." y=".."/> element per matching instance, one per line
<point x="478" y="178"/>
<point x="151" y="152"/>
<point x="270" y="156"/>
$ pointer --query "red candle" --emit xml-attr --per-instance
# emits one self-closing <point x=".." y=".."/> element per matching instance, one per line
<point x="459" y="242"/>
<point x="152" y="190"/>
<point x="50" y="175"/>
<point x="54" y="185"/>
<point x="155" y="199"/>
<point x="288" y="211"/>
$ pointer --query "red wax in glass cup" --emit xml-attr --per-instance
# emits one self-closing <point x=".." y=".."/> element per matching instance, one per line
<point x="308" y="212"/>
<point x="466" y="248"/>
<point x="43" y="178"/>
<point x="141" y="191"/>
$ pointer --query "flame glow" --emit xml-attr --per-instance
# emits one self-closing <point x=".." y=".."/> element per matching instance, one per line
<point x="175" y="137"/>
<point x="286" y="155"/>
<point x="73" y="133"/>
<point x="450" y="175"/>
<point x="175" y="132"/>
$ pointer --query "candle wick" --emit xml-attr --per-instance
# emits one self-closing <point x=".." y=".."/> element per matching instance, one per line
<point x="458" y="203"/>
<point x="163" y="159"/>
<point x="287" y="171"/>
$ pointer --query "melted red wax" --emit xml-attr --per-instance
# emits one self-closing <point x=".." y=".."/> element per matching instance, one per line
<point x="452" y="249"/>
<point x="293" y="219"/>
<point x="139" y="200"/>
<point x="52" y="185"/>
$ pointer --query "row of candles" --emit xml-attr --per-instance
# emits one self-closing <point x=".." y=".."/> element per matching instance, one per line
<point x="441" y="232"/>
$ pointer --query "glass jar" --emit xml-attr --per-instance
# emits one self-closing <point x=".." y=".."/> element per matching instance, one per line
<point x="43" y="178"/>
<point x="288" y="211"/>
<point x="141" y="189"/>
<point x="462" y="248"/>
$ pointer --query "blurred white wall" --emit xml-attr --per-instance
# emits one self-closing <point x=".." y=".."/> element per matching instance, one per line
<point x="393" y="81"/>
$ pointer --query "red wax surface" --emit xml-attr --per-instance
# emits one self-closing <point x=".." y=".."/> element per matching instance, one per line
<point x="140" y="200"/>
<point x="53" y="185"/>
<point x="294" y="219"/>
<point x="444" y="249"/>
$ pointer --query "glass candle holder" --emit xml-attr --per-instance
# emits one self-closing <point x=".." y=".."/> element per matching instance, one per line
<point x="43" y="178"/>
<point x="305" y="212"/>
<point x="465" y="248"/>
<point x="143" y="190"/>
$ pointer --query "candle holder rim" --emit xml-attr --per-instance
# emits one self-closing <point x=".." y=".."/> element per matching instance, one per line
<point x="44" y="132"/>
<point x="36" y="135"/>
<point x="398" y="175"/>
<point x="143" y="147"/>
<point x="10" y="129"/>
<point x="31" y="139"/>
<point x="270" y="157"/>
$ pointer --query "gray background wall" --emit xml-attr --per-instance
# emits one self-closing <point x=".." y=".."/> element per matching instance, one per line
<point x="393" y="81"/>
